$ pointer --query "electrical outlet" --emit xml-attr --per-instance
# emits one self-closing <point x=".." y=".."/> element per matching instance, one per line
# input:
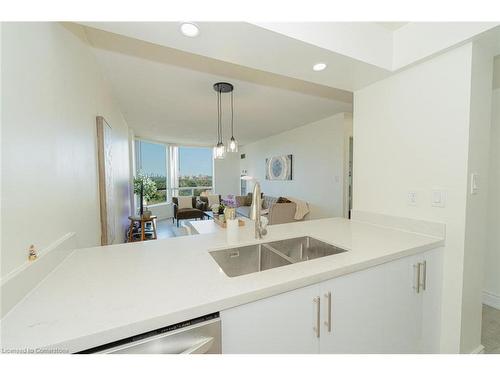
<point x="412" y="198"/>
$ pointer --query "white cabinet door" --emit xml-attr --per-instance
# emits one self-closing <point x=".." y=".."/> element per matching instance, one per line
<point x="376" y="310"/>
<point x="278" y="324"/>
<point x="431" y="311"/>
<point x="373" y="311"/>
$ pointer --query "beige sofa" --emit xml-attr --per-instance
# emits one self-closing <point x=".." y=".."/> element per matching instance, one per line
<point x="277" y="213"/>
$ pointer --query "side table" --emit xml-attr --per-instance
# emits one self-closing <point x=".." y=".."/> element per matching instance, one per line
<point x="142" y="220"/>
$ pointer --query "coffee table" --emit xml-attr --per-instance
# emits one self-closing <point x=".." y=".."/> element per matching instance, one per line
<point x="208" y="214"/>
<point x="210" y="226"/>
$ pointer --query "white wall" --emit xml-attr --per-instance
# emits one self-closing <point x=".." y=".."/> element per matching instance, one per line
<point x="49" y="151"/>
<point x="365" y="41"/>
<point x="419" y="40"/>
<point x="227" y="174"/>
<point x="411" y="133"/>
<point x="318" y="151"/>
<point x="496" y="73"/>
<point x="492" y="255"/>
<point x="477" y="204"/>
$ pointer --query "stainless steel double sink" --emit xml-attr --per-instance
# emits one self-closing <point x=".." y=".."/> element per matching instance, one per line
<point x="260" y="257"/>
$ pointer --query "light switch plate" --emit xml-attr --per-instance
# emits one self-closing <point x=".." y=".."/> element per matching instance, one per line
<point x="438" y="198"/>
<point x="474" y="183"/>
<point x="412" y="198"/>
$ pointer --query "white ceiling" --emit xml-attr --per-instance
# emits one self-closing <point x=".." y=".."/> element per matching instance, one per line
<point x="260" y="48"/>
<point x="163" y="80"/>
<point x="357" y="53"/>
<point x="166" y="95"/>
<point x="392" y="26"/>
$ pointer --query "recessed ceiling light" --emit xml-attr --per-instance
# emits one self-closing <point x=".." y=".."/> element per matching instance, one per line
<point x="190" y="29"/>
<point x="319" y="67"/>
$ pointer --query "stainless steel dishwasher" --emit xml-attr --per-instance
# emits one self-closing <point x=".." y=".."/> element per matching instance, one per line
<point x="197" y="336"/>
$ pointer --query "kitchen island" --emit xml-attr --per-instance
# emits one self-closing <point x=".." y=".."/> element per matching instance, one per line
<point x="103" y="294"/>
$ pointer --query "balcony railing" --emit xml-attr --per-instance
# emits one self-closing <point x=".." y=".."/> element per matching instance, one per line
<point x="190" y="191"/>
<point x="180" y="191"/>
<point x="184" y="191"/>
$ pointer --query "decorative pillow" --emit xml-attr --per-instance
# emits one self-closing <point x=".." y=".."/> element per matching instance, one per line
<point x="283" y="200"/>
<point x="268" y="201"/>
<point x="249" y="198"/>
<point x="201" y="205"/>
<point x="241" y="200"/>
<point x="213" y="199"/>
<point x="248" y="201"/>
<point x="185" y="202"/>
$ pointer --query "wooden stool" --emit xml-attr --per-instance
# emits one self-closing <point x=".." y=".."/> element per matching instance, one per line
<point x="142" y="220"/>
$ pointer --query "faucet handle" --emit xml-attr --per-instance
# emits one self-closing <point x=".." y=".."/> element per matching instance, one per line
<point x="264" y="221"/>
<point x="263" y="225"/>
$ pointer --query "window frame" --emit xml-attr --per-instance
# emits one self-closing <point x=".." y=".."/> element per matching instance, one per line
<point x="212" y="187"/>
<point x="168" y="199"/>
<point x="171" y="185"/>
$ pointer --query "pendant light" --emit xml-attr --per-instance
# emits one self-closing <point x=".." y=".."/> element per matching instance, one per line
<point x="233" y="143"/>
<point x="219" y="149"/>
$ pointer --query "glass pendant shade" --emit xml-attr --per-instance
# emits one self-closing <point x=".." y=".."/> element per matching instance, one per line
<point x="219" y="151"/>
<point x="232" y="145"/>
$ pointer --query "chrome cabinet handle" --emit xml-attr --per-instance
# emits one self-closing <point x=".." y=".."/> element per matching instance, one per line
<point x="424" y="275"/>
<point x="328" y="321"/>
<point x="316" y="329"/>
<point x="416" y="269"/>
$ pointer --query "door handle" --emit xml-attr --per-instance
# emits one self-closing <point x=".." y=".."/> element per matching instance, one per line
<point x="424" y="275"/>
<point x="200" y="347"/>
<point x="416" y="271"/>
<point x="316" y="329"/>
<point x="328" y="321"/>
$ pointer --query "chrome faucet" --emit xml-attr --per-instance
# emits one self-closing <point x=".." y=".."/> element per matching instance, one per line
<point x="255" y="211"/>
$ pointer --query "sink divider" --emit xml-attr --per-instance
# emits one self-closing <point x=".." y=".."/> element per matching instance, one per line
<point x="279" y="253"/>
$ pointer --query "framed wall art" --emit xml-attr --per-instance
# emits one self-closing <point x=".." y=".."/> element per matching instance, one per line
<point x="279" y="167"/>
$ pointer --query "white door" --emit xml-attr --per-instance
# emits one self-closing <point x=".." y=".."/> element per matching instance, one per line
<point x="372" y="311"/>
<point x="280" y="324"/>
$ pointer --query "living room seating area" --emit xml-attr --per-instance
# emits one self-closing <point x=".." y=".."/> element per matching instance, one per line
<point x="189" y="208"/>
<point x="278" y="210"/>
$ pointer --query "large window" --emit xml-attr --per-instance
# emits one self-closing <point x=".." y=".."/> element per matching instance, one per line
<point x="176" y="170"/>
<point x="195" y="170"/>
<point x="151" y="160"/>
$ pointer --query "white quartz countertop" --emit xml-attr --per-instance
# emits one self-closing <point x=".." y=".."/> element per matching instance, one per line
<point x="103" y="294"/>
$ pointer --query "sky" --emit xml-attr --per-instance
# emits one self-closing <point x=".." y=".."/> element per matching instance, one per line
<point x="192" y="160"/>
<point x="195" y="161"/>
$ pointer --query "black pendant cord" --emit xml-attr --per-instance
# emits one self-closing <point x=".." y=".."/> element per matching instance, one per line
<point x="232" y="117"/>
<point x="218" y="117"/>
<point x="220" y="114"/>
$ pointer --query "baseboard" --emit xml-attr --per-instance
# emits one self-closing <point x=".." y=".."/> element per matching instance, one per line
<point x="478" y="350"/>
<point x="491" y="299"/>
<point x="19" y="282"/>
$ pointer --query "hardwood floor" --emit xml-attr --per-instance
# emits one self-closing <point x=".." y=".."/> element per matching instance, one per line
<point x="491" y="330"/>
